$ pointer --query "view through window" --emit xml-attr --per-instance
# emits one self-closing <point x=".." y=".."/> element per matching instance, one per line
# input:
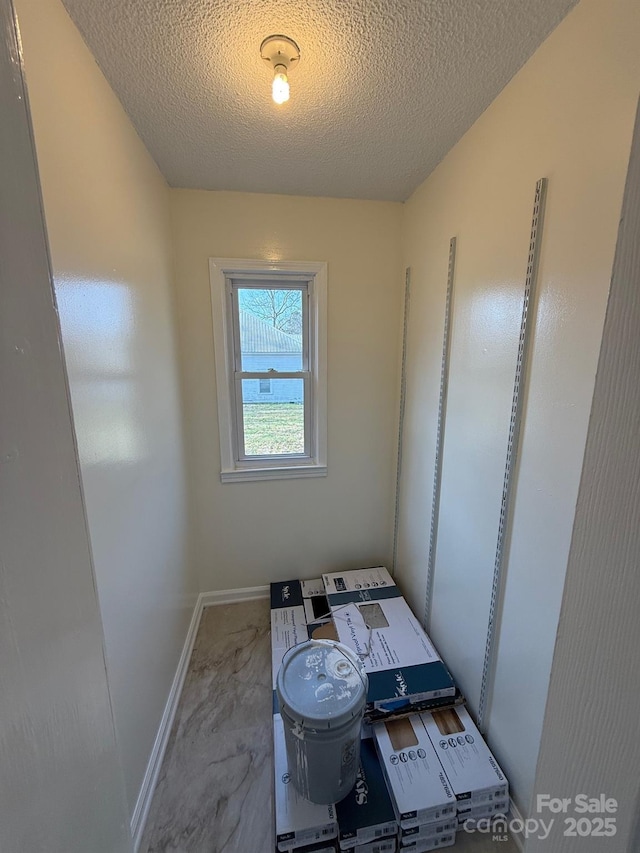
<point x="272" y="376"/>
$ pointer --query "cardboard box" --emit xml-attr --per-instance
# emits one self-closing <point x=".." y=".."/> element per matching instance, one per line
<point x="498" y="807"/>
<point x="323" y="847"/>
<point x="446" y="840"/>
<point x="385" y="845"/>
<point x="298" y="822"/>
<point x="366" y="814"/>
<point x="288" y="628"/>
<point x="419" y="788"/>
<point x="294" y="605"/>
<point x="371" y="617"/>
<point x="428" y="831"/>
<point x="309" y="595"/>
<point x="342" y="587"/>
<point x="470" y="767"/>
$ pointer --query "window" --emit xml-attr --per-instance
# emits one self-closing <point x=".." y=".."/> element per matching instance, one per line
<point x="269" y="326"/>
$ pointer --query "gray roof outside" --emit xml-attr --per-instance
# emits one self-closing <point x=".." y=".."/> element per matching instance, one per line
<point x="257" y="335"/>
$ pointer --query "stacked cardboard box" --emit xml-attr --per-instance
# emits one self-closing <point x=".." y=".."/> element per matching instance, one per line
<point x="436" y="830"/>
<point x="386" y="845"/>
<point x="294" y="605"/>
<point x="372" y="618"/>
<point x="299" y="823"/>
<point x="432" y="844"/>
<point x="301" y="826"/>
<point x="424" y="804"/>
<point x="479" y="785"/>
<point x="366" y="821"/>
<point x="298" y="608"/>
<point x="435" y="765"/>
<point x="366" y="814"/>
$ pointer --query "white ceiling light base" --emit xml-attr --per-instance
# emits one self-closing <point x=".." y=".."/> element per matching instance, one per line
<point x="281" y="53"/>
<point x="280" y="50"/>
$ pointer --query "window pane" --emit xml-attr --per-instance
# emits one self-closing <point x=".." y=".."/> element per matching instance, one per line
<point x="275" y="425"/>
<point x="270" y="329"/>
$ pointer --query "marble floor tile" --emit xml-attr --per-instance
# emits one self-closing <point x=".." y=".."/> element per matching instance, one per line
<point x="228" y="685"/>
<point x="215" y="788"/>
<point x="223" y="802"/>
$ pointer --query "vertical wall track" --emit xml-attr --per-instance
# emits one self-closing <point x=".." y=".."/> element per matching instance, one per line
<point x="442" y="415"/>
<point x="515" y="424"/>
<point x="403" y="386"/>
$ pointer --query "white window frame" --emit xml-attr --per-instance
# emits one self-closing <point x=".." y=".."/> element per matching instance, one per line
<point x="235" y="466"/>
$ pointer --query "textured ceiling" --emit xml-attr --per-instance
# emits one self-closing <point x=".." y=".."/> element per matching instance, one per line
<point x="383" y="90"/>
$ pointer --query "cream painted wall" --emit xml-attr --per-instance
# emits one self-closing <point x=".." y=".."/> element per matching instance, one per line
<point x="61" y="783"/>
<point x="588" y="741"/>
<point x="567" y="115"/>
<point x="253" y="533"/>
<point x="107" y="212"/>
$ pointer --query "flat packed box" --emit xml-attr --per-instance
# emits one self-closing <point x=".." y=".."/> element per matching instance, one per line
<point x="446" y="840"/>
<point x="385" y="845"/>
<point x="323" y="847"/>
<point x="298" y="593"/>
<point x="420" y="790"/>
<point x="298" y="822"/>
<point x="471" y="769"/>
<point x="294" y="605"/>
<point x="498" y="807"/>
<point x="342" y="586"/>
<point x="371" y="617"/>
<point x="366" y="814"/>
<point x="288" y="628"/>
<point x="427" y="831"/>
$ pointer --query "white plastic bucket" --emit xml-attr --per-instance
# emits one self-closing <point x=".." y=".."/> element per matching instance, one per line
<point x="322" y="692"/>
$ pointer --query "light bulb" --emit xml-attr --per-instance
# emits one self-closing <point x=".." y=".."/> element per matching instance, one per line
<point x="280" y="88"/>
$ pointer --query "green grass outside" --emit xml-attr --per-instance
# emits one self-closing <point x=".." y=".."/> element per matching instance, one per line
<point x="273" y="428"/>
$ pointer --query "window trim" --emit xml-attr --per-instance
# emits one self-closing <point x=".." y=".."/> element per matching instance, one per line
<point x="231" y="468"/>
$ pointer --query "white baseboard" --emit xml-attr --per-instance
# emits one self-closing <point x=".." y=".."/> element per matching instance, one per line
<point x="205" y="599"/>
<point x="231" y="596"/>
<point x="150" y="780"/>
<point x="517" y="837"/>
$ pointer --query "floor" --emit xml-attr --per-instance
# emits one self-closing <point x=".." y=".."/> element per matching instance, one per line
<point x="215" y="787"/>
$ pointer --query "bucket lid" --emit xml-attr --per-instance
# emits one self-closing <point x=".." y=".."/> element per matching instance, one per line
<point x="321" y="684"/>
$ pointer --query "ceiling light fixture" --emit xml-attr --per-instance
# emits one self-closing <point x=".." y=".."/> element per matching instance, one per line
<point x="281" y="53"/>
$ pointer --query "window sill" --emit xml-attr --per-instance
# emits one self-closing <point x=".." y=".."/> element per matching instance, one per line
<point x="292" y="472"/>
